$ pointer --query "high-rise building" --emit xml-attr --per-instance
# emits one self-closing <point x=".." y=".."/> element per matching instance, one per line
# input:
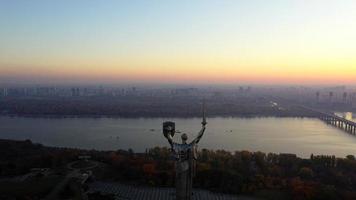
<point x="5" y="92"/>
<point x="318" y="97"/>
<point x="331" y="94"/>
<point x="73" y="92"/>
<point x="353" y="100"/>
<point x="344" y="97"/>
<point x="241" y="89"/>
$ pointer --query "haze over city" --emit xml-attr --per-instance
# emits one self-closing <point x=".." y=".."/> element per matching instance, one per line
<point x="199" y="42"/>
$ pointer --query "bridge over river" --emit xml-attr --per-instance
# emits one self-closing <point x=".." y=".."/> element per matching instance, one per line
<point x="334" y="120"/>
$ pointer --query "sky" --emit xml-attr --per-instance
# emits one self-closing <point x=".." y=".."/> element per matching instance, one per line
<point x="200" y="41"/>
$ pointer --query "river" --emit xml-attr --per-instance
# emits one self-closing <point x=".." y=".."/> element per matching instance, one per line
<point x="301" y="136"/>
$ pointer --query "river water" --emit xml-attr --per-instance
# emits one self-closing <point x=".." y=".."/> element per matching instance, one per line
<point x="301" y="136"/>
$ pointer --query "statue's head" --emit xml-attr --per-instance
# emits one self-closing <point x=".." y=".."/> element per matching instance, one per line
<point x="184" y="138"/>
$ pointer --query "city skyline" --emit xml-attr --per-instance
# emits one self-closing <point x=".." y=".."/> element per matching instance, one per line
<point x="200" y="42"/>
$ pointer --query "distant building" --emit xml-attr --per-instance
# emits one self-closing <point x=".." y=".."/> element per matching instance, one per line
<point x="249" y="89"/>
<point x="353" y="100"/>
<point x="84" y="157"/>
<point x="14" y="92"/>
<point x="101" y="91"/>
<point x="45" y="91"/>
<point x="331" y="95"/>
<point x="344" y="96"/>
<point x="287" y="159"/>
<point x="318" y="97"/>
<point x="75" y="92"/>
<point x="5" y="92"/>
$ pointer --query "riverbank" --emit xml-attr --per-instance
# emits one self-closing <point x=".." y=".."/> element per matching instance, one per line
<point x="98" y="116"/>
<point x="147" y="106"/>
<point x="271" y="176"/>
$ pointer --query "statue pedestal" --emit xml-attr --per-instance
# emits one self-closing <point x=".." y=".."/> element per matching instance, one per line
<point x="184" y="180"/>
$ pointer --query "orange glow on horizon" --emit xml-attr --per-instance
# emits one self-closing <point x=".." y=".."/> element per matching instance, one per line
<point x="194" y="74"/>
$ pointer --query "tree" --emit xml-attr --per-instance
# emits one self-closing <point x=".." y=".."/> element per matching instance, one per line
<point x="306" y="173"/>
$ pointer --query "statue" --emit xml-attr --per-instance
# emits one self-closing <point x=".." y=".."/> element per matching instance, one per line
<point x="185" y="155"/>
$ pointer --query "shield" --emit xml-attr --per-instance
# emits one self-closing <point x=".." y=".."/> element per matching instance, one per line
<point x="169" y="128"/>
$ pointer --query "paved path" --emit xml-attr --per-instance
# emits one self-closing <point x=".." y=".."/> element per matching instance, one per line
<point x="126" y="192"/>
<point x="94" y="164"/>
<point x="54" y="194"/>
<point x="75" y="172"/>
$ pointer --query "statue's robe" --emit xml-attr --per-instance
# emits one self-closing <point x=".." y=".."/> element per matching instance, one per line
<point x="185" y="155"/>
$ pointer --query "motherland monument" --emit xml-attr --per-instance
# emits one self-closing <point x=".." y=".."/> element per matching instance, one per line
<point x="185" y="155"/>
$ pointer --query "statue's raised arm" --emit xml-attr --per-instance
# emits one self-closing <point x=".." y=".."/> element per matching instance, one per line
<point x="170" y="139"/>
<point x="168" y="131"/>
<point x="202" y="130"/>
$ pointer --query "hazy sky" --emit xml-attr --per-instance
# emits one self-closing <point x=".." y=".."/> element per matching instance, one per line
<point x="251" y="41"/>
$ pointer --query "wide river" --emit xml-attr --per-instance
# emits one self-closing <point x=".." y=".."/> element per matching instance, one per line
<point x="301" y="136"/>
